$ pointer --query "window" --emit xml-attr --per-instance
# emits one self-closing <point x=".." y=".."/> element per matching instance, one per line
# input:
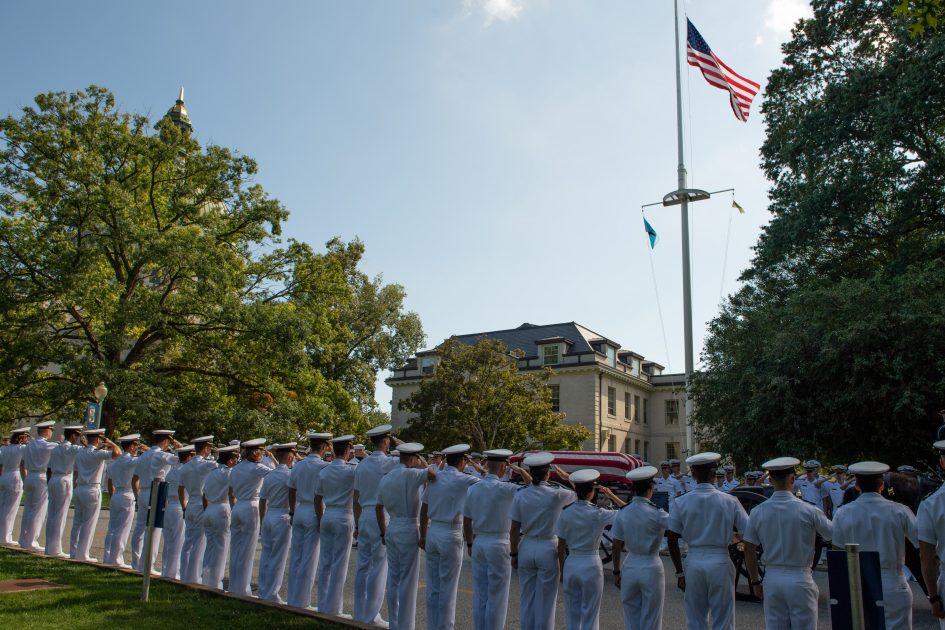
<point x="672" y="450"/>
<point x="555" y="397"/>
<point x="626" y="406"/>
<point x="612" y="443"/>
<point x="646" y="404"/>
<point x="426" y="364"/>
<point x="626" y="444"/>
<point x="636" y="409"/>
<point x="611" y="356"/>
<point x="646" y="451"/>
<point x="612" y="401"/>
<point x="672" y="412"/>
<point x="637" y="447"/>
<point x="549" y="355"/>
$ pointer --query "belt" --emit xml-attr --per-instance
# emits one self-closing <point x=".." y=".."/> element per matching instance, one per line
<point x="56" y="473"/>
<point x="173" y="499"/>
<point x="41" y="471"/>
<point x="280" y="510"/>
<point x="339" y="508"/>
<point x="88" y="485"/>
<point x="584" y="554"/>
<point x="789" y="567"/>
<point x="223" y="502"/>
<point x="122" y="488"/>
<point x="447" y="524"/>
<point x="490" y="534"/>
<point x="541" y="538"/>
<point x="404" y="520"/>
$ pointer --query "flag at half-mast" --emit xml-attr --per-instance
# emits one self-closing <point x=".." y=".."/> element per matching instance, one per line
<point x="741" y="90"/>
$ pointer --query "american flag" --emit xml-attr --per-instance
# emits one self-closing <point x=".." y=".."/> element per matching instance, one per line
<point x="740" y="89"/>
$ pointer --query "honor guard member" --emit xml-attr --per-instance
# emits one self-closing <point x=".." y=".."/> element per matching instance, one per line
<point x="11" y="481"/>
<point x="303" y="558"/>
<point x="640" y="527"/>
<point x="720" y="480"/>
<point x="878" y="524"/>
<point x="931" y="528"/>
<point x="730" y="482"/>
<point x="152" y="464"/>
<point x="246" y="480"/>
<point x="665" y="482"/>
<point x="370" y="577"/>
<point x="686" y="482"/>
<point x="753" y="478"/>
<point x="534" y="514"/>
<point x="335" y="498"/>
<point x="174" y="526"/>
<point x="810" y="487"/>
<point x="836" y="487"/>
<point x="217" y="502"/>
<point x="399" y="494"/>
<point x="579" y="531"/>
<point x="122" y="488"/>
<point x="359" y="454"/>
<point x="787" y="529"/>
<point x="62" y="467"/>
<point x="193" y="475"/>
<point x="89" y="467"/>
<point x="276" y="523"/>
<point x="443" y="504"/>
<point x="35" y="498"/>
<point x="705" y="518"/>
<point x="486" y="523"/>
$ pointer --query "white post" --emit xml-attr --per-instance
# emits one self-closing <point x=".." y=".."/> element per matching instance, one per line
<point x="149" y="539"/>
<point x="856" y="587"/>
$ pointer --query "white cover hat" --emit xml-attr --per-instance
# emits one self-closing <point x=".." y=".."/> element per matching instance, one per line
<point x="74" y="427"/>
<point x="20" y="430"/>
<point x="383" y="429"/>
<point x="232" y="448"/>
<point x="781" y="463"/>
<point x="343" y="438"/>
<point x="94" y="432"/>
<point x="868" y="468"/>
<point x="185" y="449"/>
<point x="585" y="475"/>
<point x="288" y="446"/>
<point x="45" y="425"/>
<point x="202" y="439"/>
<point x="410" y="448"/>
<point x="359" y="447"/>
<point x="456" y="449"/>
<point x="319" y="436"/>
<point x="498" y="454"/>
<point x="700" y="459"/>
<point x="254" y="443"/>
<point x="940" y="445"/>
<point x="131" y="437"/>
<point x="640" y="474"/>
<point x="811" y="463"/>
<point x="163" y="432"/>
<point x="542" y="458"/>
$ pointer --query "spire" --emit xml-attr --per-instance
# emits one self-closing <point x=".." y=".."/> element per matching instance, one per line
<point x="178" y="114"/>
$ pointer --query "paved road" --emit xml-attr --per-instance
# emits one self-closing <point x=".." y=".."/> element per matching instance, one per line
<point x="747" y="614"/>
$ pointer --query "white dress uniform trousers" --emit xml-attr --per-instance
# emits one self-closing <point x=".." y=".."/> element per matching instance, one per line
<point x="173" y="528"/>
<point x="275" y="534"/>
<point x="121" y="510"/>
<point x="89" y="466"/>
<point x="303" y="556"/>
<point x="36" y="457"/>
<point x="641" y="525"/>
<point x="62" y="465"/>
<point x="931" y="530"/>
<point x="370" y="576"/>
<point x="193" y="475"/>
<point x="245" y="481"/>
<point x="336" y="487"/>
<point x="216" y="526"/>
<point x="152" y="464"/>
<point x="11" y="489"/>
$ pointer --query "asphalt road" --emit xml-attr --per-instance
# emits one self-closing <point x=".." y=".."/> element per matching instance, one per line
<point x="747" y="614"/>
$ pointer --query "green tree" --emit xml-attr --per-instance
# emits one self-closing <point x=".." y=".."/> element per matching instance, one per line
<point x="834" y="346"/>
<point x="132" y="254"/>
<point x="923" y="13"/>
<point x="477" y="395"/>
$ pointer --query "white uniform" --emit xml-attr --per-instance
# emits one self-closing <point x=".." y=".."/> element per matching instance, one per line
<point x="336" y="487"/>
<point x="121" y="509"/>
<point x="275" y="534"/>
<point x="11" y="489"/>
<point x="193" y="475"/>
<point x="787" y="528"/>
<point x="61" y="465"/>
<point x="488" y="504"/>
<point x="303" y="558"/>
<point x="444" y="546"/>
<point x="580" y="526"/>
<point x="216" y="526"/>
<point x="399" y="493"/>
<point x="931" y="529"/>
<point x="704" y="518"/>
<point x="246" y="480"/>
<point x="730" y="484"/>
<point x="686" y="483"/>
<point x="807" y="490"/>
<point x="173" y="526"/>
<point x="370" y="578"/>
<point x="670" y="485"/>
<point x="89" y="467"/>
<point x="536" y="508"/>
<point x="641" y="525"/>
<point x="152" y="464"/>
<point x="878" y="524"/>
<point x="835" y="491"/>
<point x="36" y="457"/>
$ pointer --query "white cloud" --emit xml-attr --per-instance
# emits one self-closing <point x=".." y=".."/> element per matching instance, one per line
<point x="759" y="40"/>
<point x="782" y="15"/>
<point x="494" y="10"/>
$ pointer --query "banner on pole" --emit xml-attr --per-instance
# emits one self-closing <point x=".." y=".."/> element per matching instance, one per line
<point x="91" y="415"/>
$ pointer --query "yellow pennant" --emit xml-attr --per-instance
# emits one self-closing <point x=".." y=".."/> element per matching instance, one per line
<point x="738" y="207"/>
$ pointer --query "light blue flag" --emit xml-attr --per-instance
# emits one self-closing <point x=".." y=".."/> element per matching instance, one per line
<point x="651" y="233"/>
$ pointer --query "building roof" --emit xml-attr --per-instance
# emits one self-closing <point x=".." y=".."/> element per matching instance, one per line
<point x="526" y="336"/>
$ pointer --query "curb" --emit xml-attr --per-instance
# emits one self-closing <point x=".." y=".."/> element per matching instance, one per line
<point x="348" y="623"/>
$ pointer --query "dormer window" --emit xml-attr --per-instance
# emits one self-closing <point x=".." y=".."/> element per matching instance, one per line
<point x="551" y="354"/>
<point x="427" y="364"/>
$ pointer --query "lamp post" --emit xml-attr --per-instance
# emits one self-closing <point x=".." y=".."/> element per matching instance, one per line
<point x="100" y="392"/>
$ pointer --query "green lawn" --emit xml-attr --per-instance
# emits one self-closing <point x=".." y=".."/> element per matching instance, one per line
<point x="102" y="598"/>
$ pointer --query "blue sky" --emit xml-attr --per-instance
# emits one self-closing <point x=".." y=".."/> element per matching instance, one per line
<point x="493" y="155"/>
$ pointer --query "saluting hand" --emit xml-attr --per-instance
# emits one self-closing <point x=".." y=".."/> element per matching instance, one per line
<point x="758" y="590"/>
<point x="681" y="583"/>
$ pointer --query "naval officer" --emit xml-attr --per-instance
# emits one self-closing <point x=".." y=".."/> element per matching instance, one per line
<point x="152" y="464"/>
<point x="193" y="475"/>
<point x="370" y="577"/>
<point x="35" y="498"/>
<point x="640" y="527"/>
<point x="579" y="531"/>
<point x="246" y="479"/>
<point x="277" y="523"/>
<point x="399" y="495"/>
<point x="174" y="525"/>
<point x="89" y="467"/>
<point x="786" y="528"/>
<point x="443" y="504"/>
<point x="217" y="501"/>
<point x="535" y="511"/>
<point x="123" y="489"/>
<point x="11" y="481"/>
<point x="62" y="467"/>
<point x="878" y="524"/>
<point x="931" y="529"/>
<point x="486" y="522"/>
<point x="303" y="558"/>
<point x="705" y="518"/>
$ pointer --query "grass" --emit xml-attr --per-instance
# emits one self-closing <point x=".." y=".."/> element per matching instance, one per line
<point x="101" y="598"/>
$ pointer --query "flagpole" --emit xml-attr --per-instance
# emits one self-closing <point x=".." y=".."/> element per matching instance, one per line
<point x="684" y="211"/>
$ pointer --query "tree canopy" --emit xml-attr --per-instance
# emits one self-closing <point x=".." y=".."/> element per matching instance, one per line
<point x="131" y="254"/>
<point x="477" y="395"/>
<point x="834" y="346"/>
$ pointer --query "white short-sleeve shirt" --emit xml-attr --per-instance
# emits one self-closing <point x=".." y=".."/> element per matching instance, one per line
<point x="876" y="524"/>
